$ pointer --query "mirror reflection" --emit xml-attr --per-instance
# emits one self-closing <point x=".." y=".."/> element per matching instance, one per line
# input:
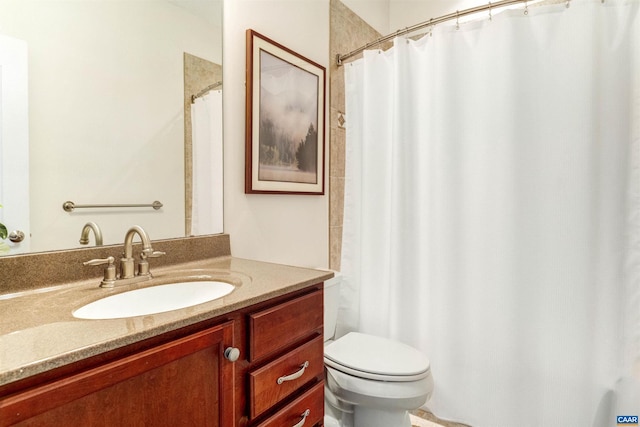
<point x="123" y="107"/>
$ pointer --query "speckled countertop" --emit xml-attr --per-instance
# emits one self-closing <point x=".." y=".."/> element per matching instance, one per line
<point x="38" y="331"/>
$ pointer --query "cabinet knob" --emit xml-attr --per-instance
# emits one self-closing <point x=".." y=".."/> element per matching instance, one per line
<point x="231" y="354"/>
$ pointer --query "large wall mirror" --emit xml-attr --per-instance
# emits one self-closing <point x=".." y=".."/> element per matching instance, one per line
<point x="124" y="99"/>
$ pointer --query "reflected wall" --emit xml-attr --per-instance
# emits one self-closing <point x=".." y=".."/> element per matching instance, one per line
<point x="106" y="112"/>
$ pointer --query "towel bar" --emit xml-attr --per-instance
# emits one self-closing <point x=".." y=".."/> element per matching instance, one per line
<point x="69" y="206"/>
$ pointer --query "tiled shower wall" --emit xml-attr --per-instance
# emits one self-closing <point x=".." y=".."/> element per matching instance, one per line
<point x="347" y="32"/>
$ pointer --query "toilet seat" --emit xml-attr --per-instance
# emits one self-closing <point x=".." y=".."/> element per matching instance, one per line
<point x="376" y="358"/>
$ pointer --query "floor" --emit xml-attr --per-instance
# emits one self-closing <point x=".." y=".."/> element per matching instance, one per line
<point x="421" y="418"/>
<point x="421" y="422"/>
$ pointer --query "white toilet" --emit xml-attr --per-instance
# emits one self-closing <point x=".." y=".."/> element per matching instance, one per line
<point x="370" y="381"/>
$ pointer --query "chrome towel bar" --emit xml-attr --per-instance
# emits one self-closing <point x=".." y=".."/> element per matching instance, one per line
<point x="70" y="206"/>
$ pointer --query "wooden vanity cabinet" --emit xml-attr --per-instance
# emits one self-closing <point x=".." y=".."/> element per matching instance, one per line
<point x="286" y="371"/>
<point x="183" y="379"/>
<point x="181" y="383"/>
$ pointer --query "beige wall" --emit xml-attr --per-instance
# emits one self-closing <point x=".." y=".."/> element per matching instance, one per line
<point x="374" y="12"/>
<point x="289" y="229"/>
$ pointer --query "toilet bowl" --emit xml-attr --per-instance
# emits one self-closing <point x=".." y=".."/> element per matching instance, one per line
<point x="369" y="380"/>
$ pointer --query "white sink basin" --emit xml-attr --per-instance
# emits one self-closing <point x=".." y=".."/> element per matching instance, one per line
<point x="154" y="299"/>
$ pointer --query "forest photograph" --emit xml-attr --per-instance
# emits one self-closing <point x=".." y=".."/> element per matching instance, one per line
<point x="288" y="122"/>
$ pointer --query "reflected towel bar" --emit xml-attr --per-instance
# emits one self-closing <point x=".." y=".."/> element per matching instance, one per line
<point x="70" y="206"/>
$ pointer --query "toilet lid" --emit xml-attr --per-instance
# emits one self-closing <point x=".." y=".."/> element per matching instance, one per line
<point x="373" y="357"/>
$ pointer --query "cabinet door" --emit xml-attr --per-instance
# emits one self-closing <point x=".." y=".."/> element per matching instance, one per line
<point x="186" y="382"/>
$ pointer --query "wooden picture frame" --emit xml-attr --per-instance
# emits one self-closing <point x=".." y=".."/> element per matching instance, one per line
<point x="285" y="123"/>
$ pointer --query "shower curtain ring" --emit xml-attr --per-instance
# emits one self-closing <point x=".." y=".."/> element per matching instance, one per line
<point x="568" y="3"/>
<point x="526" y="8"/>
<point x="457" y="19"/>
<point x="490" y="12"/>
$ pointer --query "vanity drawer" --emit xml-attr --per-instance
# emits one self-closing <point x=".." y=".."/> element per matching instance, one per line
<point x="292" y="414"/>
<point x="264" y="390"/>
<point x="284" y="324"/>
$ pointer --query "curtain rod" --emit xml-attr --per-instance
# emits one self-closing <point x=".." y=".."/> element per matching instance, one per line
<point x="430" y="23"/>
<point x="205" y="90"/>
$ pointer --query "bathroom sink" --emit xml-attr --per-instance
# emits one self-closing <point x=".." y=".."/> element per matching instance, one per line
<point x="154" y="299"/>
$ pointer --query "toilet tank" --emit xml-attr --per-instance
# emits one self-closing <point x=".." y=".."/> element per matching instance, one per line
<point x="331" y="304"/>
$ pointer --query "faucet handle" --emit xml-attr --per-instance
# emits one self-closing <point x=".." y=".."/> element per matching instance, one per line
<point x="109" y="271"/>
<point x="109" y="260"/>
<point x="152" y="254"/>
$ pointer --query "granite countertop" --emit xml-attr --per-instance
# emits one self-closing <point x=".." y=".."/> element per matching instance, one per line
<point x="38" y="331"/>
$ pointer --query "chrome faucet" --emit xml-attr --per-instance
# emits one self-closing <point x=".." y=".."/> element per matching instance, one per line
<point x="127" y="262"/>
<point x="84" y="235"/>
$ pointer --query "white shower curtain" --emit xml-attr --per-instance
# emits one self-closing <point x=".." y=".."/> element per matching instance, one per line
<point x="206" y="125"/>
<point x="492" y="212"/>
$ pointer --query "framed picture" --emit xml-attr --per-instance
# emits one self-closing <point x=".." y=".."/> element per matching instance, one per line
<point x="284" y="120"/>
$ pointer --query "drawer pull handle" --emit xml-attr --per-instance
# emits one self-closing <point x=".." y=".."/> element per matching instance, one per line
<point x="294" y="376"/>
<point x="304" y="416"/>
